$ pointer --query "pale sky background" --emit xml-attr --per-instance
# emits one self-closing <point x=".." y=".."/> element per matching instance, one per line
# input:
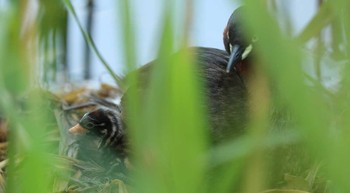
<point x="210" y="18"/>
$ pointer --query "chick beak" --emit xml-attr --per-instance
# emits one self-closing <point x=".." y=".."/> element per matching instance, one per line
<point x="77" y="129"/>
<point x="235" y="57"/>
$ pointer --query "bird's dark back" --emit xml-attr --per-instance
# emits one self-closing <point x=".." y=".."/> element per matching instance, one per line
<point x="224" y="93"/>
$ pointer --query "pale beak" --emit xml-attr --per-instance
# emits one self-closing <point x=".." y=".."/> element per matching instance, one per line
<point x="77" y="129"/>
<point x="235" y="57"/>
<point x="238" y="53"/>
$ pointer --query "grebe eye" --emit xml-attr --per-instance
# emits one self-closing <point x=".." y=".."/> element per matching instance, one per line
<point x="90" y="125"/>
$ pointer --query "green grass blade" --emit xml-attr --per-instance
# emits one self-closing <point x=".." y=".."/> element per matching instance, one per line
<point x="29" y="166"/>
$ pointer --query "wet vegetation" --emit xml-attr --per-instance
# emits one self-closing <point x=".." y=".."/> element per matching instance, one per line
<point x="289" y="131"/>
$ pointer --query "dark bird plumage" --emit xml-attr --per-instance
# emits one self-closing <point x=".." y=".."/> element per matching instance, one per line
<point x="224" y="93"/>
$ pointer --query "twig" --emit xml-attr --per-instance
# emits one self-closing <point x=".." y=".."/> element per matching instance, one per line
<point x="92" y="44"/>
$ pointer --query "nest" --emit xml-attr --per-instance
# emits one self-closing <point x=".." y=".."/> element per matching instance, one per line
<point x="82" y="167"/>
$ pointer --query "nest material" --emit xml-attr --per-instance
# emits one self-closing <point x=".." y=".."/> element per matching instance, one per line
<point x="88" y="173"/>
<point x="85" y="174"/>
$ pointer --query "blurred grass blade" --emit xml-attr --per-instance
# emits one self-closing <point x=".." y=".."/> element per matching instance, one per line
<point x="128" y="27"/>
<point x="338" y="159"/>
<point x="29" y="165"/>
<point x="322" y="18"/>
<point x="133" y="107"/>
<point x="281" y="58"/>
<point x="285" y="65"/>
<point x="52" y="20"/>
<point x="133" y="118"/>
<point x="10" y="22"/>
<point x="171" y="114"/>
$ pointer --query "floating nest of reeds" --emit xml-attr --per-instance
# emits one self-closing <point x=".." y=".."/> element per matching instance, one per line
<point x="78" y="163"/>
<point x="77" y="167"/>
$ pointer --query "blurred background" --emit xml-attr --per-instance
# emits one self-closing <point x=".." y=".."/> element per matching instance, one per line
<point x="209" y="20"/>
